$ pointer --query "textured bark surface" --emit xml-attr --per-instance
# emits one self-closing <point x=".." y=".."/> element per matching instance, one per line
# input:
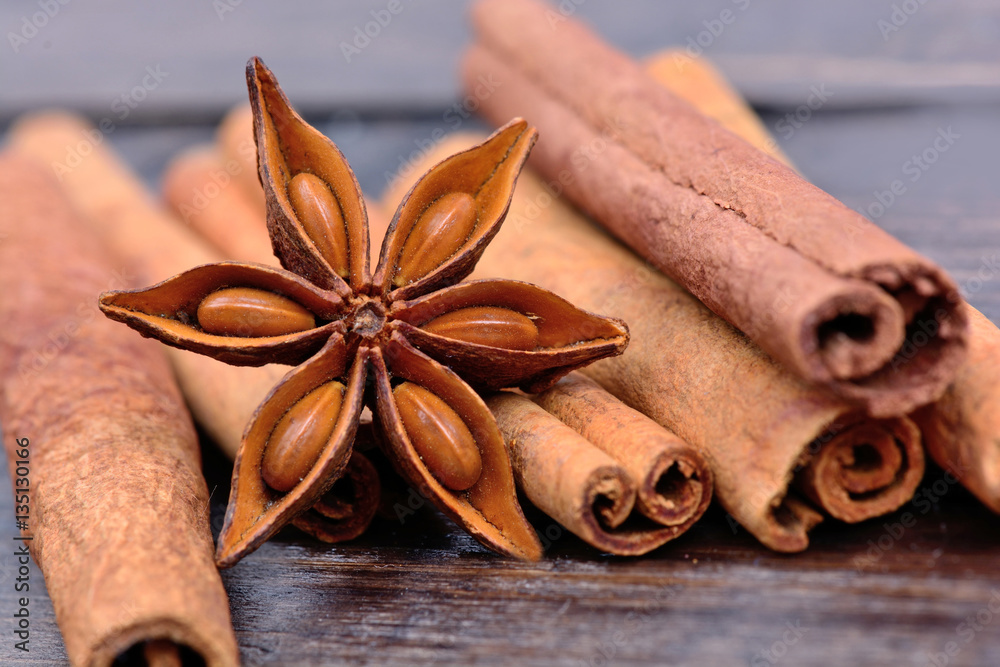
<point x="815" y="284"/>
<point x="574" y="482"/>
<point x="118" y="506"/>
<point x="673" y="479"/>
<point x="962" y="429"/>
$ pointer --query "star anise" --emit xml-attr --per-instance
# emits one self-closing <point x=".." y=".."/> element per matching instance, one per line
<point x="399" y="340"/>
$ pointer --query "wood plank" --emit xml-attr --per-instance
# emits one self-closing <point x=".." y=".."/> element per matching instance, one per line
<point x="88" y="55"/>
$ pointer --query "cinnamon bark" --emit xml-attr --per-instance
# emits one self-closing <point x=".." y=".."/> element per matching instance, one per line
<point x="235" y="141"/>
<point x="118" y="516"/>
<point x="962" y="429"/>
<point x="201" y="188"/>
<point x="580" y="486"/>
<point x="120" y="210"/>
<point x="815" y="284"/>
<point x="673" y="480"/>
<point x="688" y="370"/>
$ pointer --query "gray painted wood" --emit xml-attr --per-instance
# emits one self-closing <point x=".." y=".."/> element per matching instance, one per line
<point x="89" y="54"/>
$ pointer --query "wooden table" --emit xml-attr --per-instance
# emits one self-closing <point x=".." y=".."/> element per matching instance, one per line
<point x="418" y="591"/>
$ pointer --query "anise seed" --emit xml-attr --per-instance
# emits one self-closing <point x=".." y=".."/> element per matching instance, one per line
<point x="436" y="236"/>
<point x="440" y="436"/>
<point x="319" y="214"/>
<point x="487" y="325"/>
<point x="300" y="435"/>
<point x="249" y="312"/>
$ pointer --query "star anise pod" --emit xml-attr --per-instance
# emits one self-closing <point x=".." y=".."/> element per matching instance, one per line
<point x="400" y="340"/>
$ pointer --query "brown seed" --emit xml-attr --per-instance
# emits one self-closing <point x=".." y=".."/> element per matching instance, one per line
<point x="248" y="312"/>
<point x="300" y="436"/>
<point x="487" y="325"/>
<point x="440" y="437"/>
<point x="319" y="214"/>
<point x="438" y="234"/>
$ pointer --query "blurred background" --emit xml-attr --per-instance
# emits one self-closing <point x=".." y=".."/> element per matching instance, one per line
<point x="879" y="77"/>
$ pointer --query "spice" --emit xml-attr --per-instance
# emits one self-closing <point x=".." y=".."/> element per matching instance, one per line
<point x="962" y="429"/>
<point x="673" y="479"/>
<point x="816" y="285"/>
<point x="116" y="514"/>
<point x="194" y="186"/>
<point x="607" y="473"/>
<point x="759" y="425"/>
<point x="669" y="480"/>
<point x="239" y="154"/>
<point x="382" y="321"/>
<point x="153" y="246"/>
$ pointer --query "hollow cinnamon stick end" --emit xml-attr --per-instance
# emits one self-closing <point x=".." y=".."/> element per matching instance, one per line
<point x="868" y="469"/>
<point x="162" y="643"/>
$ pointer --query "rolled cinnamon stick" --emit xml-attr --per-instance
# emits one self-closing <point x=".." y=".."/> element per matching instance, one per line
<point x="200" y="187"/>
<point x="701" y="85"/>
<point x="155" y="246"/>
<point x="575" y="483"/>
<point x="815" y="284"/>
<point x="116" y="507"/>
<point x="673" y="480"/>
<point x="693" y="373"/>
<point x="237" y="145"/>
<point x="962" y="429"/>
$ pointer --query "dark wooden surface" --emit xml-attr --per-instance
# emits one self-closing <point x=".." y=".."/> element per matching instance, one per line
<point x="422" y="592"/>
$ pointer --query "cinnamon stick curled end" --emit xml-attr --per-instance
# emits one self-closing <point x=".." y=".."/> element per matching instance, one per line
<point x="589" y="492"/>
<point x="866" y="469"/>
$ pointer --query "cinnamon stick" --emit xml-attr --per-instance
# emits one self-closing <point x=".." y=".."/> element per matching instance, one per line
<point x="116" y="509"/>
<point x="673" y="480"/>
<point x="237" y="146"/>
<point x="582" y="487"/>
<point x="688" y="370"/>
<point x="199" y="186"/>
<point x="120" y="211"/>
<point x="962" y="429"/>
<point x="816" y="285"/>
